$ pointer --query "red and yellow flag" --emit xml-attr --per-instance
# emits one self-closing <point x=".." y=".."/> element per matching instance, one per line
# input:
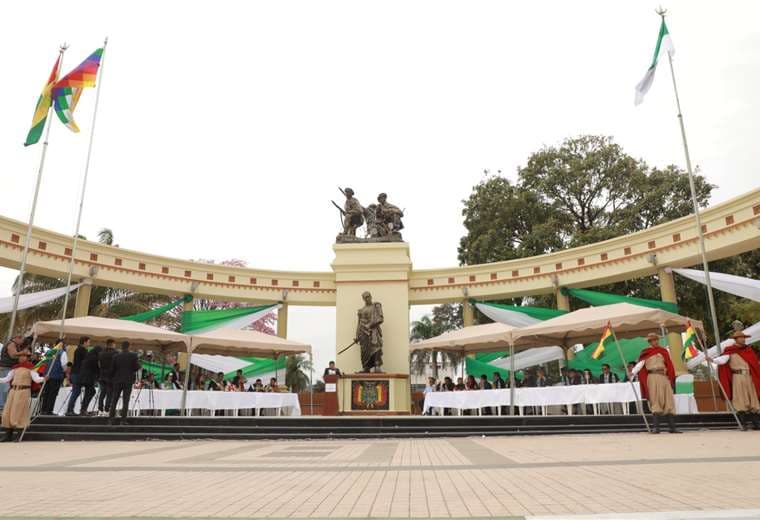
<point x="606" y="334"/>
<point x="689" y="344"/>
<point x="43" y="106"/>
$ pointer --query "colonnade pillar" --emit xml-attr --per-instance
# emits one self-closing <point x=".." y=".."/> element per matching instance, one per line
<point x="282" y="321"/>
<point x="468" y="314"/>
<point x="668" y="294"/>
<point x="563" y="304"/>
<point x="82" y="303"/>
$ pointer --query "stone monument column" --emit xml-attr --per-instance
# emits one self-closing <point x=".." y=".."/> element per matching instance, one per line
<point x="381" y="268"/>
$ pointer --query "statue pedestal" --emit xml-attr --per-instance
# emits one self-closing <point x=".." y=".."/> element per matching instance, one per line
<point x="374" y="394"/>
<point x="383" y="270"/>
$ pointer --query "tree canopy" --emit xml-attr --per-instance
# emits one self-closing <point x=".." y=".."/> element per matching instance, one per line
<point x="584" y="190"/>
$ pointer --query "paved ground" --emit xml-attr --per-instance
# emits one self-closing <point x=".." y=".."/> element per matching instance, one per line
<point x="697" y="475"/>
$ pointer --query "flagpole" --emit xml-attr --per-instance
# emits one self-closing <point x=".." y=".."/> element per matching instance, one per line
<point x="698" y="220"/>
<point x="28" y="238"/>
<point x="729" y="404"/>
<point x="639" y="405"/>
<point x="84" y="187"/>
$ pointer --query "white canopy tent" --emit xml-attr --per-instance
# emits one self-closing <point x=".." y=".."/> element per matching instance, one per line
<point x="139" y="335"/>
<point x="478" y="338"/>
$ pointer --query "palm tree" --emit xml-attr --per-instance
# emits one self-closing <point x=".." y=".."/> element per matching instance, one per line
<point x="295" y="377"/>
<point x="426" y="328"/>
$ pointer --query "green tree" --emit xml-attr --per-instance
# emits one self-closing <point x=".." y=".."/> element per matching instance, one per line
<point x="585" y="190"/>
<point x="296" y="378"/>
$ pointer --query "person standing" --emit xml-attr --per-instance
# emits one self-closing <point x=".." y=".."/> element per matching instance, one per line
<point x="8" y="358"/>
<point x="105" y="361"/>
<point x="656" y="379"/>
<point x="16" y="410"/>
<point x="55" y="373"/>
<point x="739" y="374"/>
<point x="123" y="370"/>
<point x="88" y="376"/>
<point x="76" y="387"/>
<point x="332" y="370"/>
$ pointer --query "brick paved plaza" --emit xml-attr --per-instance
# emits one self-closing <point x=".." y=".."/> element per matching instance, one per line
<point x="699" y="475"/>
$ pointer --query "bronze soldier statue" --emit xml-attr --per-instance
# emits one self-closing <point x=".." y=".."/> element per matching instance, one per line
<point x="353" y="214"/>
<point x="388" y="217"/>
<point x="369" y="335"/>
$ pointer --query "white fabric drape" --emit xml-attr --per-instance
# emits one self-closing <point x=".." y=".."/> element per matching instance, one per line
<point x="531" y="358"/>
<point x="27" y="301"/>
<point x="513" y="318"/>
<point x="736" y="285"/>
<point x="753" y="331"/>
<point x="218" y="364"/>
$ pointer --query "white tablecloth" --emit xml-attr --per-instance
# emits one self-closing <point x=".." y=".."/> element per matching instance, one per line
<point x="548" y="396"/>
<point x="196" y="400"/>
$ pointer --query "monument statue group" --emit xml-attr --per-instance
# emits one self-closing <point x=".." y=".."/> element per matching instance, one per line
<point x="383" y="220"/>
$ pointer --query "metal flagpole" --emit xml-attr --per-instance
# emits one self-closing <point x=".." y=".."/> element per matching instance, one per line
<point x="511" y="378"/>
<point x="639" y="406"/>
<point x="729" y="404"/>
<point x="84" y="186"/>
<point x="692" y="187"/>
<point x="28" y="238"/>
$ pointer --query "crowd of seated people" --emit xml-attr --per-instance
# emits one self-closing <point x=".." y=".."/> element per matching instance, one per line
<point x="535" y="377"/>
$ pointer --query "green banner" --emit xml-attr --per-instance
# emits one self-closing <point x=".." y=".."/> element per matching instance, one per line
<point x="597" y="298"/>
<point x="146" y="316"/>
<point x="193" y="321"/>
<point x="631" y="350"/>
<point x="539" y="313"/>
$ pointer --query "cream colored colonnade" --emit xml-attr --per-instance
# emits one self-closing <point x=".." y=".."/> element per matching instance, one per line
<point x="731" y="228"/>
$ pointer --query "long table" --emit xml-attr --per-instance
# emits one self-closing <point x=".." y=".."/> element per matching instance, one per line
<point x="594" y="395"/>
<point x="163" y="400"/>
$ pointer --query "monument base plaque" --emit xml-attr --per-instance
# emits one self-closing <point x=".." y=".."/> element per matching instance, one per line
<point x="374" y="394"/>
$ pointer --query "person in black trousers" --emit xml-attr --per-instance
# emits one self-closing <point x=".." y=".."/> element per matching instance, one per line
<point x="105" y="360"/>
<point x="88" y="375"/>
<point x="123" y="370"/>
<point x="55" y="372"/>
<point x="76" y="387"/>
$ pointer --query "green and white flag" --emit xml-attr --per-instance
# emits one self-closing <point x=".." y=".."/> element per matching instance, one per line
<point x="663" y="43"/>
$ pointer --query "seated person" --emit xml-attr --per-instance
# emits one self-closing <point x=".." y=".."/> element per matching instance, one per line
<point x="447" y="385"/>
<point x="170" y="382"/>
<point x="216" y="384"/>
<point x="258" y="386"/>
<point x="484" y="383"/>
<point x="587" y="378"/>
<point x="471" y="384"/>
<point x="460" y="384"/>
<point x="608" y="376"/>
<point x="541" y="380"/>
<point x="239" y="381"/>
<point x="273" y="386"/>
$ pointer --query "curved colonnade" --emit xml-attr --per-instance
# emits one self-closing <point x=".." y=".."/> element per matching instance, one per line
<point x="731" y="228"/>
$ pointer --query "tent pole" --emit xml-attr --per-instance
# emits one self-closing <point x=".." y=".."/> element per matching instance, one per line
<point x="511" y="378"/>
<point x="311" y="384"/>
<point x="729" y="404"/>
<point x="187" y="381"/>
<point x="639" y="405"/>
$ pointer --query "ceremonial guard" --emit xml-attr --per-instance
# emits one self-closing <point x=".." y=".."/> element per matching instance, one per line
<point x="657" y="377"/>
<point x="739" y="374"/>
<point x="16" y="411"/>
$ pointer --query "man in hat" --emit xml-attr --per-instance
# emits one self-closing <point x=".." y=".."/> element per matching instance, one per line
<point x="739" y="374"/>
<point x="8" y="358"/>
<point x="16" y="411"/>
<point x="353" y="213"/>
<point x="657" y="377"/>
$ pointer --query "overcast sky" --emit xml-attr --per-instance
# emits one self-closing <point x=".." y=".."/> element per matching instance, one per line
<point x="225" y="128"/>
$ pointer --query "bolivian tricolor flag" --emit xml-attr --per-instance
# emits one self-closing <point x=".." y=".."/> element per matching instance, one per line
<point x="42" y="108"/>
<point x="606" y="335"/>
<point x="689" y="344"/>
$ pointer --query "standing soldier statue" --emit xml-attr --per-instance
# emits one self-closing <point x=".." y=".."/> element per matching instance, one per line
<point x="368" y="334"/>
<point x="353" y="214"/>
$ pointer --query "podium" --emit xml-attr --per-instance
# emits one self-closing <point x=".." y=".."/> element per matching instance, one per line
<point x="374" y="394"/>
<point x="330" y="406"/>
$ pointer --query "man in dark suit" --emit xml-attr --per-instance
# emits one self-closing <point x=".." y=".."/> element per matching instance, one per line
<point x="608" y="376"/>
<point x="125" y="366"/>
<point x="331" y="370"/>
<point x="76" y="387"/>
<point x="105" y="360"/>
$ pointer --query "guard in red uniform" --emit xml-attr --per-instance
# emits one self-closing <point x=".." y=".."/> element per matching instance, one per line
<point x="657" y="377"/>
<point x="739" y="373"/>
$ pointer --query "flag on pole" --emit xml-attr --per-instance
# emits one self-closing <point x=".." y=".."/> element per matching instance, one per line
<point x="689" y="347"/>
<point x="606" y="334"/>
<point x="42" y="108"/>
<point x="663" y="43"/>
<point x="66" y="92"/>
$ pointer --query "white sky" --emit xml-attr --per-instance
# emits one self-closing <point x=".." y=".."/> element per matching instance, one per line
<point x="226" y="127"/>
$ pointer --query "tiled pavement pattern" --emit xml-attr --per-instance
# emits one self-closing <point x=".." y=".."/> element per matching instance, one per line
<point x="418" y="478"/>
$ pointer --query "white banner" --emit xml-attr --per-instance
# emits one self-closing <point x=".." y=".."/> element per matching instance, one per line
<point x="736" y="285"/>
<point x="26" y="301"/>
